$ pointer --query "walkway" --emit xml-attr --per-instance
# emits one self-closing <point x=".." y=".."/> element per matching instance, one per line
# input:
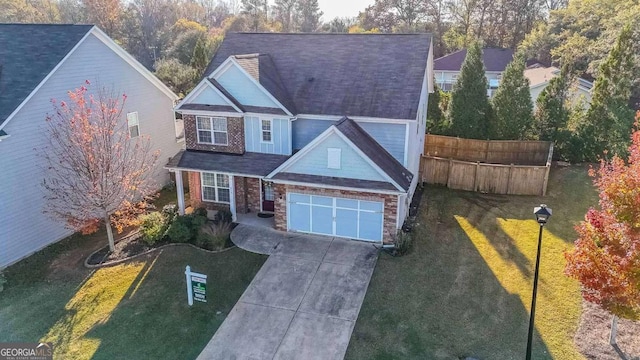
<point x="302" y="304"/>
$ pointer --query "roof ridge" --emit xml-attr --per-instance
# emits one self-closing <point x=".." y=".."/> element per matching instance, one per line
<point x="328" y="33"/>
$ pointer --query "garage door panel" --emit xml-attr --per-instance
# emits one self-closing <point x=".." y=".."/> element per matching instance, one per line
<point x="347" y="223"/>
<point x="322" y="220"/>
<point x="322" y="200"/>
<point x="299" y="217"/>
<point x="347" y="203"/>
<point x="370" y="226"/>
<point x="371" y="206"/>
<point x="299" y="198"/>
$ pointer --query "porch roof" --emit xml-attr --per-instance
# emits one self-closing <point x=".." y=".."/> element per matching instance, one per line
<point x="249" y="163"/>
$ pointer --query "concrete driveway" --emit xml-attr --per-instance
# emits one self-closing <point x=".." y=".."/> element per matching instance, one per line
<point x="302" y="304"/>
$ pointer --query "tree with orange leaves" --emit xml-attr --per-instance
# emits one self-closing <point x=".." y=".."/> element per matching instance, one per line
<point x="606" y="257"/>
<point x="95" y="171"/>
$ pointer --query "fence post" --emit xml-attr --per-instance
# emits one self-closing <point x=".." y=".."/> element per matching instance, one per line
<point x="449" y="173"/>
<point x="457" y="148"/>
<point x="510" y="179"/>
<point x="486" y="150"/>
<point x="475" y="178"/>
<point x="548" y="166"/>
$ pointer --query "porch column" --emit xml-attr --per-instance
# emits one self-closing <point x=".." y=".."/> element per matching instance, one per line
<point x="180" y="190"/>
<point x="232" y="197"/>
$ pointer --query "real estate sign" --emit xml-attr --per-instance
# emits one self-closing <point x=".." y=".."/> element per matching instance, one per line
<point x="196" y="286"/>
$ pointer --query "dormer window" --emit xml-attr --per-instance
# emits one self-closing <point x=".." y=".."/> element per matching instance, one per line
<point x="212" y="130"/>
<point x="266" y="131"/>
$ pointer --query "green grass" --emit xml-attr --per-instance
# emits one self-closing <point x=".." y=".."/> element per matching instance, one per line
<point x="134" y="310"/>
<point x="465" y="287"/>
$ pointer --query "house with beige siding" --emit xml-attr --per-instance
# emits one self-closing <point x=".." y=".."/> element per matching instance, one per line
<point x="323" y="132"/>
<point x="539" y="77"/>
<point x="42" y="62"/>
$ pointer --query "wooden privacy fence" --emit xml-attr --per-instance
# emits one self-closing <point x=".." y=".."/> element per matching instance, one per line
<point x="466" y="169"/>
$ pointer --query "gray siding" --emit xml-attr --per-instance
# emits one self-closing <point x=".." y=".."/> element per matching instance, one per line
<point x="23" y="227"/>
<point x="352" y="166"/>
<point x="390" y="136"/>
<point x="279" y="136"/>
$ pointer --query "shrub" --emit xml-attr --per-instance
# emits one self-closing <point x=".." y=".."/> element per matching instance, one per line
<point x="185" y="228"/>
<point x="214" y="236"/>
<point x="153" y="227"/>
<point x="223" y="215"/>
<point x="3" y="281"/>
<point x="201" y="211"/>
<point x="402" y="241"/>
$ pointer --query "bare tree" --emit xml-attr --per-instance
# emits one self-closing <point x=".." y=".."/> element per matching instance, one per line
<point x="94" y="168"/>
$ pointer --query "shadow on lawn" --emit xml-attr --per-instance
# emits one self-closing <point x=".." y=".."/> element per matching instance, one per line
<point x="442" y="301"/>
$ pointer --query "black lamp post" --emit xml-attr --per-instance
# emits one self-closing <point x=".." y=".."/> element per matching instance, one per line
<point x="542" y="213"/>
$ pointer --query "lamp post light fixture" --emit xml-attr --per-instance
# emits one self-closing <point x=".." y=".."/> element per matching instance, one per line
<point x="542" y="213"/>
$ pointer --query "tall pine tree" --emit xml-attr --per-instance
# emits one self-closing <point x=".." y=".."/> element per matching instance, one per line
<point x="470" y="107"/>
<point x="513" y="111"/>
<point x="436" y="121"/>
<point x="609" y="119"/>
<point x="308" y="15"/>
<point x="552" y="113"/>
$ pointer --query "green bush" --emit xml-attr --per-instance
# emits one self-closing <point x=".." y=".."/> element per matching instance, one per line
<point x="185" y="228"/>
<point x="153" y="227"/>
<point x="3" y="281"/>
<point x="402" y="242"/>
<point x="224" y="216"/>
<point x="201" y="211"/>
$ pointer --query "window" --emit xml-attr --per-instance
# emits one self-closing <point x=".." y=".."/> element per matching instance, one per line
<point x="333" y="158"/>
<point x="266" y="131"/>
<point x="134" y="125"/>
<point x="215" y="187"/>
<point x="212" y="130"/>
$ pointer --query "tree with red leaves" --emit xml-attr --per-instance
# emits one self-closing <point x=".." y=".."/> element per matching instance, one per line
<point x="94" y="170"/>
<point x="606" y="257"/>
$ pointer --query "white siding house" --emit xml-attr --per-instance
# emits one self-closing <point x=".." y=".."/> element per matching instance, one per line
<point x="24" y="228"/>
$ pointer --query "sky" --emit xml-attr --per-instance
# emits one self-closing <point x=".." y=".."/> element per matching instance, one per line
<point x="342" y="8"/>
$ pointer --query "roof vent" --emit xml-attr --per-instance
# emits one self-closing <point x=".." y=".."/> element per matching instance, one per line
<point x="311" y="78"/>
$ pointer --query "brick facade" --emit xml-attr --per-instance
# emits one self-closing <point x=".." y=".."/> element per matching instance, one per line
<point x="235" y="132"/>
<point x="390" y="205"/>
<point x="247" y="194"/>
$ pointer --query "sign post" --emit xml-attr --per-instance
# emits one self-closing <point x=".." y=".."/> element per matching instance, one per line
<point x="196" y="286"/>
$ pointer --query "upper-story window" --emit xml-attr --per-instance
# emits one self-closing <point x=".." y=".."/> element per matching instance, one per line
<point x="212" y="130"/>
<point x="266" y="131"/>
<point x="133" y="124"/>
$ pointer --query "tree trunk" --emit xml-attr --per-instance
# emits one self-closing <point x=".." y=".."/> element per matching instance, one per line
<point x="614" y="331"/>
<point x="107" y="223"/>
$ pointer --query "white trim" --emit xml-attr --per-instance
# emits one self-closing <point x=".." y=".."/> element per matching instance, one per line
<point x="137" y="123"/>
<point x="105" y="39"/>
<point x="398" y="212"/>
<point x="232" y="197"/>
<point x="212" y="130"/>
<point x="355" y="118"/>
<point x="5" y="137"/>
<point x="210" y="113"/>
<point x="133" y="62"/>
<point x="180" y="190"/>
<point x="290" y="137"/>
<point x="200" y="88"/>
<point x="405" y="159"/>
<point x="335" y="187"/>
<point x="215" y="186"/>
<point x="232" y="61"/>
<point x="262" y="141"/>
<point x="34" y="91"/>
<point x="212" y="171"/>
<point x="331" y="130"/>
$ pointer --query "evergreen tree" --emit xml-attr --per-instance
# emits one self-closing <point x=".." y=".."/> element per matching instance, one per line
<point x="513" y="111"/>
<point x="436" y="120"/>
<point x="552" y="113"/>
<point x="201" y="57"/>
<point x="469" y="104"/>
<point x="609" y="120"/>
<point x="308" y="15"/>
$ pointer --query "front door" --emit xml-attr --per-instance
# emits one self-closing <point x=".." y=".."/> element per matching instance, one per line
<point x="267" y="196"/>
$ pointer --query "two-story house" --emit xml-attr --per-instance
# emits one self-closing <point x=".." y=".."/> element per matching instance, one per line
<point x="325" y="131"/>
<point x="40" y="62"/>
<point x="447" y="68"/>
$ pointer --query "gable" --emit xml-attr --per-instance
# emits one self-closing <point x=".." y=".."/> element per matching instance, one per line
<point x="316" y="160"/>
<point x="209" y="96"/>
<point x="243" y="88"/>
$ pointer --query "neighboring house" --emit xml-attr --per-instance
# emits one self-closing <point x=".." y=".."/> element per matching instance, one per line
<point x="447" y="68"/>
<point x="539" y="77"/>
<point x="323" y="130"/>
<point x="41" y="62"/>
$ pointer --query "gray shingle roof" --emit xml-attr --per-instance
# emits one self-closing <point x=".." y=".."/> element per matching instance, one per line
<point x="374" y="151"/>
<point x="494" y="59"/>
<point x="28" y="53"/>
<point x="335" y="181"/>
<point x="206" y="107"/>
<point x="250" y="163"/>
<point x="375" y="75"/>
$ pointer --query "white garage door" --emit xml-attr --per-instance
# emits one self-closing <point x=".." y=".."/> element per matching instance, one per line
<point x="349" y="218"/>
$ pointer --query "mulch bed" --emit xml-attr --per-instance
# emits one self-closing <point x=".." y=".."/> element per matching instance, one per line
<point x="592" y="337"/>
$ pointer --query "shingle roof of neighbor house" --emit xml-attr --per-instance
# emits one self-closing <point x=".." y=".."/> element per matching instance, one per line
<point x="28" y="53"/>
<point x="374" y="75"/>
<point x="495" y="59"/>
<point x="374" y="151"/>
<point x="250" y="163"/>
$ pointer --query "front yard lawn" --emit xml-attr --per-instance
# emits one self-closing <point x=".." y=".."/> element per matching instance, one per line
<point x="135" y="310"/>
<point x="465" y="288"/>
